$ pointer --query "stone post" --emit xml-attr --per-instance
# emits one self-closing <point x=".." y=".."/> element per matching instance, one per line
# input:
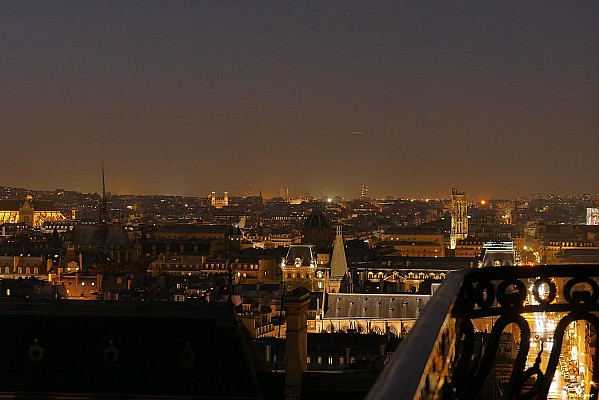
<point x="296" y="344"/>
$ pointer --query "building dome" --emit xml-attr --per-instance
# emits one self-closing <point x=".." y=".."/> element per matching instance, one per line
<point x="317" y="230"/>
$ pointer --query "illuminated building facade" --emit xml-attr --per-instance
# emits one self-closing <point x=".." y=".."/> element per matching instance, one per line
<point x="469" y="248"/>
<point x="219" y="202"/>
<point x="415" y="241"/>
<point x="459" y="217"/>
<point x="258" y="271"/>
<point x="299" y="200"/>
<point x="31" y="212"/>
<point x="300" y="269"/>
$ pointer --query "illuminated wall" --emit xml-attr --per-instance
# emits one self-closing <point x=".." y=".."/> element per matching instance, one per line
<point x="39" y="217"/>
<point x="9" y="217"/>
<point x="592" y="216"/>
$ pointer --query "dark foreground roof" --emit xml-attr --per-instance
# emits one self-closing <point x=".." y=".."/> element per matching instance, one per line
<point x="100" y="235"/>
<point x="123" y="350"/>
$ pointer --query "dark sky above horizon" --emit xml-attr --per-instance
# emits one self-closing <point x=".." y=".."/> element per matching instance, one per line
<point x="411" y="98"/>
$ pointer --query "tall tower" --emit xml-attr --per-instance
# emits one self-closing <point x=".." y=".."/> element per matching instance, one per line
<point x="363" y="192"/>
<point x="102" y="209"/>
<point x="459" y="217"/>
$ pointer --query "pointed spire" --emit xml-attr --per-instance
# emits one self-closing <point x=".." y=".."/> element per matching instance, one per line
<point x="338" y="261"/>
<point x="102" y="209"/>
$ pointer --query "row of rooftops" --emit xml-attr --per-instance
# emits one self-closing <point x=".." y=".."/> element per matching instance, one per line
<point x="22" y="261"/>
<point x="400" y="230"/>
<point x="37" y="205"/>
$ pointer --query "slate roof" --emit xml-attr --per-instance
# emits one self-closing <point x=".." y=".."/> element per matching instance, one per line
<point x="382" y="306"/>
<point x="302" y="251"/>
<point x="8" y="261"/>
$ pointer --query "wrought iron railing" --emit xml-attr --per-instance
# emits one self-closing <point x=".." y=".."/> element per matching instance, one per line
<point x="440" y="360"/>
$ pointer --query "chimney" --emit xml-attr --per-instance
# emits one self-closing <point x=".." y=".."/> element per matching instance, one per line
<point x="296" y="345"/>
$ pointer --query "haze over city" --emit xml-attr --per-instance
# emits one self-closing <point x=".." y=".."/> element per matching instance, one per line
<point x="288" y="200"/>
<point x="409" y="98"/>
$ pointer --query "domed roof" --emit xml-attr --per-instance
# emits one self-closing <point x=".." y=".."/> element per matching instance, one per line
<point x="317" y="229"/>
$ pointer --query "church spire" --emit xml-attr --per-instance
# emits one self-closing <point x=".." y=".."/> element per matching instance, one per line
<point x="102" y="209"/>
<point x="338" y="261"/>
<point x="338" y="280"/>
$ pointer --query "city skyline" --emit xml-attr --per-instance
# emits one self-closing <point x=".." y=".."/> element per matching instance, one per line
<point x="497" y="100"/>
<point x="254" y="192"/>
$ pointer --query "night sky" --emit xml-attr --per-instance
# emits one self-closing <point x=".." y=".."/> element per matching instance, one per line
<point x="498" y="99"/>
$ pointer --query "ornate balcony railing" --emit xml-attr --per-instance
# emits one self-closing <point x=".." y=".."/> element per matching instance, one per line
<point x="440" y="360"/>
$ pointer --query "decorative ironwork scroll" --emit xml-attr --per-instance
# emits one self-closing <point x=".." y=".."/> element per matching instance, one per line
<point x="569" y="292"/>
